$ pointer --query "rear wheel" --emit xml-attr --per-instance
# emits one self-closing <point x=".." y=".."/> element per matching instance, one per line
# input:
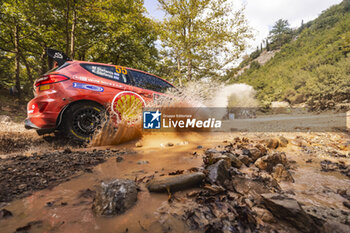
<point x="81" y="120"/>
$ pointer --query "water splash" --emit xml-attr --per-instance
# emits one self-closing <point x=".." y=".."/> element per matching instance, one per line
<point x="195" y="94"/>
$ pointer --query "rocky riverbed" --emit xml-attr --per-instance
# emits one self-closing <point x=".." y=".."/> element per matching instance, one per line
<point x="212" y="182"/>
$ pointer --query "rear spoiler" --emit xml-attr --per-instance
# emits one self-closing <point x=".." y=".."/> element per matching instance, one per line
<point x="57" y="56"/>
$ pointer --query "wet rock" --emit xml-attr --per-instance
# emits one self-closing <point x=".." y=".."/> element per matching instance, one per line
<point x="267" y="162"/>
<point x="346" y="204"/>
<point x="280" y="173"/>
<point x="245" y="159"/>
<point x="141" y="162"/>
<point x="264" y="214"/>
<point x="272" y="143"/>
<point x="87" y="193"/>
<point x="4" y="213"/>
<point x="67" y="151"/>
<point x="175" y="183"/>
<point x="28" y="226"/>
<point x="255" y="154"/>
<point x="327" y="165"/>
<point x="119" y="159"/>
<point x="283" y="142"/>
<point x="245" y="185"/>
<point x="218" y="172"/>
<point x="235" y="162"/>
<point x="308" y="161"/>
<point x="115" y="197"/>
<point x="289" y="210"/>
<point x="50" y="203"/>
<point x="335" y="227"/>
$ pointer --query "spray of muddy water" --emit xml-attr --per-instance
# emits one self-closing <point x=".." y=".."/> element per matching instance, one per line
<point x="195" y="94"/>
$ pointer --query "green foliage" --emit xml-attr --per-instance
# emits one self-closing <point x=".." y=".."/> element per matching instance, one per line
<point x="201" y="37"/>
<point x="109" y="31"/>
<point x="313" y="66"/>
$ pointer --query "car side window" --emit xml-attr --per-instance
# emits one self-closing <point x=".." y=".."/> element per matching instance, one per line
<point x="109" y="72"/>
<point x="149" y="82"/>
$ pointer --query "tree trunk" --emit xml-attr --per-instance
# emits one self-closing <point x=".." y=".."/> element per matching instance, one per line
<point x="178" y="68"/>
<point x="43" y="60"/>
<point x="72" y="40"/>
<point x="189" y="69"/>
<point x="17" y="66"/>
<point x="67" y="27"/>
<point x="29" y="72"/>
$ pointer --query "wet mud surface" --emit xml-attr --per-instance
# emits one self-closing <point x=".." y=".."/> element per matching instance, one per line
<point x="22" y="175"/>
<point x="251" y="183"/>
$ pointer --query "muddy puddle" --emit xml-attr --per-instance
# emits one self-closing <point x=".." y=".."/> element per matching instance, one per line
<point x="67" y="206"/>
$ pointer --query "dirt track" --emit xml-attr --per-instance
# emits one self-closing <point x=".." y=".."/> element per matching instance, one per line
<point x="48" y="187"/>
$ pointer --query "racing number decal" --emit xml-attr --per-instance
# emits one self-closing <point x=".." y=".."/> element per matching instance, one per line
<point x="120" y="69"/>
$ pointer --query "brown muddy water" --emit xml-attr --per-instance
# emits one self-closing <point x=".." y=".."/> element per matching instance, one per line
<point x="67" y="207"/>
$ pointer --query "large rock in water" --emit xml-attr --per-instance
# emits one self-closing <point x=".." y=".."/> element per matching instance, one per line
<point x="175" y="183"/>
<point x="115" y="197"/>
<point x="289" y="210"/>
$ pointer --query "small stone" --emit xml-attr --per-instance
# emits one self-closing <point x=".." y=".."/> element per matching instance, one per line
<point x="235" y="162"/>
<point x="283" y="142"/>
<point x="272" y="143"/>
<point x="49" y="204"/>
<point x="267" y="162"/>
<point x="255" y="153"/>
<point x="4" y="213"/>
<point x="67" y="151"/>
<point x="346" y="204"/>
<point x="245" y="159"/>
<point x="138" y="144"/>
<point x="281" y="174"/>
<point x="199" y="147"/>
<point x="141" y="162"/>
<point x="264" y="214"/>
<point x="170" y="144"/>
<point x="119" y="159"/>
<point x="309" y="161"/>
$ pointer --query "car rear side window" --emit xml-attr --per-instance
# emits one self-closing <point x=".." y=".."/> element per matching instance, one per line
<point x="150" y="82"/>
<point x="109" y="72"/>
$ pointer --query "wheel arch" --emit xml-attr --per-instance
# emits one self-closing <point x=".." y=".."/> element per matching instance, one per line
<point x="65" y="108"/>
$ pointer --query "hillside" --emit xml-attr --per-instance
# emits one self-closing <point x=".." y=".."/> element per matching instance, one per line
<point x="314" y="66"/>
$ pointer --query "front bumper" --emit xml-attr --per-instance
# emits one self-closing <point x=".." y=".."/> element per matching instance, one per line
<point x="29" y="125"/>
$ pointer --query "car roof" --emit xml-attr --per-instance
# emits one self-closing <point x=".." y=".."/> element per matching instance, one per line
<point x="97" y="63"/>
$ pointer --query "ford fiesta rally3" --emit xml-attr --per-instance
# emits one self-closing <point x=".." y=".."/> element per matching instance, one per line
<point x="72" y="97"/>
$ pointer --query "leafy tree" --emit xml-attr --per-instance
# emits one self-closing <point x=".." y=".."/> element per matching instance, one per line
<point x="111" y="31"/>
<point x="202" y="36"/>
<point x="280" y="33"/>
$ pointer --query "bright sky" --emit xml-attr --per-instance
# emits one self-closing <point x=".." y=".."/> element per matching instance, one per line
<point x="262" y="14"/>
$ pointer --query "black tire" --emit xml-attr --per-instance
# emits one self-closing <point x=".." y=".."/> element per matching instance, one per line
<point x="81" y="120"/>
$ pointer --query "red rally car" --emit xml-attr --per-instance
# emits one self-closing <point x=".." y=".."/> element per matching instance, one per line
<point x="72" y="96"/>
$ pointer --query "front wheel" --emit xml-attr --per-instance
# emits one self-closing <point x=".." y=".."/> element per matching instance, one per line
<point x="81" y="120"/>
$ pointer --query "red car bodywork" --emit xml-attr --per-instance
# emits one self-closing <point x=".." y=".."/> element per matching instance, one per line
<point x="80" y="84"/>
